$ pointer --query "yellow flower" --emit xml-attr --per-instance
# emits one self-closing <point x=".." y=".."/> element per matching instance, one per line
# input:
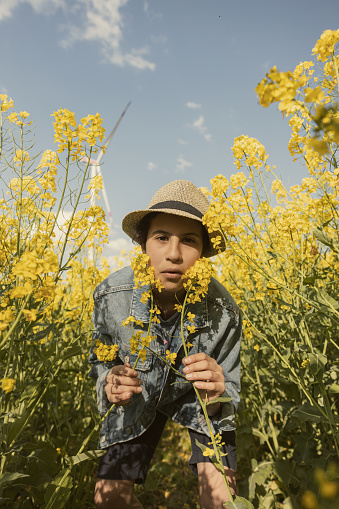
<point x="21" y="291"/>
<point x="7" y="384"/>
<point x="191" y="329"/>
<point x="20" y="156"/>
<point x="208" y="452"/>
<point x="197" y="278"/>
<point x="130" y="320"/>
<point x="190" y="316"/>
<point x="305" y="363"/>
<point x="170" y="357"/>
<point x="309" y="500"/>
<point x="325" y="45"/>
<point x="143" y="272"/>
<point x="105" y="353"/>
<point x="5" y="103"/>
<point x="30" y="314"/>
<point x="256" y="347"/>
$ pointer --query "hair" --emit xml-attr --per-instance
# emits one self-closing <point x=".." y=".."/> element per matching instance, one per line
<point x="141" y="232"/>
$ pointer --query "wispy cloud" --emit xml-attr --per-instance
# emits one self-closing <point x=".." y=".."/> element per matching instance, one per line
<point x="182" y="142"/>
<point x="7" y="7"/>
<point x="182" y="164"/>
<point x="97" y="21"/>
<point x="151" y="166"/>
<point x="193" y="105"/>
<point x="199" y="125"/>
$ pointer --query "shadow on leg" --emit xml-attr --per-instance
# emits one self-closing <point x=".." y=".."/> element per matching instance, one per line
<point x="115" y="495"/>
<point x="212" y="489"/>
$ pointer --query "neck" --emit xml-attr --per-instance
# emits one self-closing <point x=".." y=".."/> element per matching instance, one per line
<point x="167" y="300"/>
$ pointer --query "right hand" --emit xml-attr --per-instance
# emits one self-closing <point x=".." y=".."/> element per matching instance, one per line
<point x="121" y="384"/>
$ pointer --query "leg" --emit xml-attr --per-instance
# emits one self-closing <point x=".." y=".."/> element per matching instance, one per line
<point x="212" y="489"/>
<point x="115" y="495"/>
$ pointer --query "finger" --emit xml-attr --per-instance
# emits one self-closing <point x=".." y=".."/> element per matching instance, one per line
<point x="204" y="365"/>
<point x="120" y="399"/>
<point x="120" y="389"/>
<point x="195" y="358"/>
<point x="215" y="387"/>
<point x="124" y="370"/>
<point x="214" y="376"/>
<point x="125" y="380"/>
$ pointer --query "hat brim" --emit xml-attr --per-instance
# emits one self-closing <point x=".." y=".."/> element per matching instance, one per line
<point x="131" y="221"/>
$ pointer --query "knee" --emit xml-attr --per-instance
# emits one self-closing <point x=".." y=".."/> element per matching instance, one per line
<point x="113" y="494"/>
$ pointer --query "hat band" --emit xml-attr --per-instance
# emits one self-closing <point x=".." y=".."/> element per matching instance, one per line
<point x="178" y="205"/>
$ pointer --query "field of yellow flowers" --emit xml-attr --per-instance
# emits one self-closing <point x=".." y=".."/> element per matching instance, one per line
<point x="281" y="265"/>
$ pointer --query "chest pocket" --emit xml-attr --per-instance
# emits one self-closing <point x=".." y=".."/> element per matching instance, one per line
<point x="143" y="367"/>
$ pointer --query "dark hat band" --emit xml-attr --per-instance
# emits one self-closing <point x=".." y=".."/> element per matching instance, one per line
<point x="178" y="205"/>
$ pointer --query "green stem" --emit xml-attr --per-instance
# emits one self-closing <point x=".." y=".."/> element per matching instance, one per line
<point x="202" y="404"/>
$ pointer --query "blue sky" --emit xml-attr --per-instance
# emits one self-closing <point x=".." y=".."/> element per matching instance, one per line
<point x="189" y="67"/>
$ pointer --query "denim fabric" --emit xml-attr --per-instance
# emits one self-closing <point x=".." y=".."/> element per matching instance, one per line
<point x="218" y="323"/>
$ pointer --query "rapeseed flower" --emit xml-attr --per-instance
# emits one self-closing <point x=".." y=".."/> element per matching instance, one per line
<point x="105" y="353"/>
<point x="8" y="384"/>
<point x="197" y="278"/>
<point x="170" y="357"/>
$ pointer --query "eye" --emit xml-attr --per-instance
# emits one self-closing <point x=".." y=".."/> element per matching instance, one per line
<point x="162" y="238"/>
<point x="189" y="240"/>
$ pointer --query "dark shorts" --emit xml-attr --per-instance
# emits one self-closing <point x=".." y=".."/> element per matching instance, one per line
<point x="130" y="460"/>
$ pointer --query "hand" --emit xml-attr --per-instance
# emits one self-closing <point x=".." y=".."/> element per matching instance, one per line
<point x="207" y="376"/>
<point x="121" y="384"/>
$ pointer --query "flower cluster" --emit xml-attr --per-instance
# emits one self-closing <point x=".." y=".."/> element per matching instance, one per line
<point x="73" y="137"/>
<point x="197" y="278"/>
<point x="105" y="353"/>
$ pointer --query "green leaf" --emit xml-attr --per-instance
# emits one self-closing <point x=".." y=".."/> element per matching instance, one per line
<point x="71" y="351"/>
<point x="323" y="298"/>
<point x="261" y="474"/>
<point x="325" y="239"/>
<point x="222" y="399"/>
<point x="239" y="503"/>
<point x="40" y="334"/>
<point x="334" y="388"/>
<point x="59" y="490"/>
<point x="89" y="455"/>
<point x="16" y="427"/>
<point x="308" y="412"/>
<point x="12" y="478"/>
<point x="285" y="471"/>
<point x="318" y="362"/>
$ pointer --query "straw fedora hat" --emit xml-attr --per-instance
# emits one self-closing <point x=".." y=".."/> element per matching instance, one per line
<point x="181" y="198"/>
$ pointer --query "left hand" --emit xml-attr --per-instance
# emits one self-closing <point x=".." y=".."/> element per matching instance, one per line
<point x="207" y="376"/>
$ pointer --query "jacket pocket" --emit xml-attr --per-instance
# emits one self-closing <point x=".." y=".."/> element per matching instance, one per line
<point x="138" y="365"/>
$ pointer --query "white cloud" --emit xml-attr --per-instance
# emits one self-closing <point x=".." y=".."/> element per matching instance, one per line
<point x="182" y="164"/>
<point x="199" y="124"/>
<point x="113" y="249"/>
<point x="97" y="21"/>
<point x="151" y="166"/>
<point x="193" y="105"/>
<point x="40" y="6"/>
<point x="182" y="142"/>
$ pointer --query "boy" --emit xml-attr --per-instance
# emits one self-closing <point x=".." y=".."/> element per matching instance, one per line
<point x="171" y="233"/>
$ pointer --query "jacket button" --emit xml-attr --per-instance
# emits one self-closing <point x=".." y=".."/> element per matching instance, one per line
<point x="128" y="431"/>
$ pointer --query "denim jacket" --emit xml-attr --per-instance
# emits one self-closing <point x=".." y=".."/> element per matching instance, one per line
<point x="218" y="334"/>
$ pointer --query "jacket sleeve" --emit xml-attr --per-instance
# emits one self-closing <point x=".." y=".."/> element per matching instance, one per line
<point x="100" y="369"/>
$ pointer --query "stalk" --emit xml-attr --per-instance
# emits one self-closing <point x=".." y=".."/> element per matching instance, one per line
<point x="203" y="405"/>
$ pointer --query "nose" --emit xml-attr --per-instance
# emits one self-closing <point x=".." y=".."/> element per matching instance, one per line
<point x="174" y="254"/>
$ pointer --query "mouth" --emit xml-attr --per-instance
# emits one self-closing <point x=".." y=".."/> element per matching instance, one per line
<point x="172" y="274"/>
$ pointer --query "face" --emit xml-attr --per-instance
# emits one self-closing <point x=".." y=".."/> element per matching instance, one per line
<point x="173" y="244"/>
